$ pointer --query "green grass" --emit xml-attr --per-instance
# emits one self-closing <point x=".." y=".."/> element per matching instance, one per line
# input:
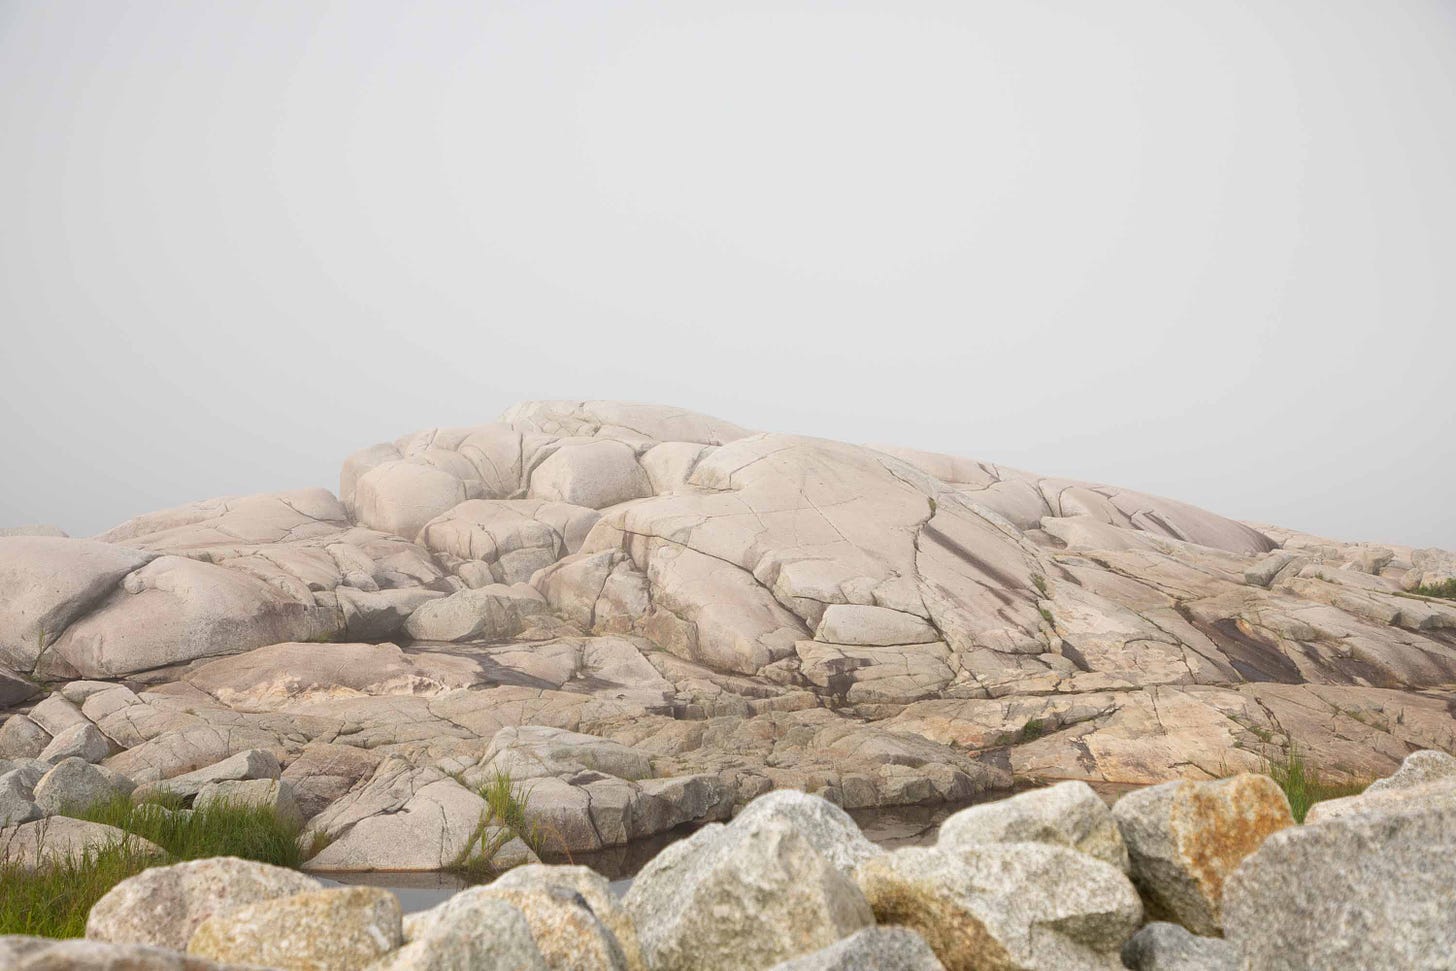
<point x="54" y="900"/>
<point x="1445" y="591"/>
<point x="1304" y="784"/>
<point x="505" y="812"/>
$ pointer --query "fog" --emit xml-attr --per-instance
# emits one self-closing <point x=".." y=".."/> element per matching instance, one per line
<point x="1203" y="250"/>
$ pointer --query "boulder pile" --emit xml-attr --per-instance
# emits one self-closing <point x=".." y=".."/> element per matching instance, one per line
<point x="1182" y="876"/>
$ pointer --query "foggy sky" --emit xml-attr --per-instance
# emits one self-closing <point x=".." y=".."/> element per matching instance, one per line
<point x="1204" y="250"/>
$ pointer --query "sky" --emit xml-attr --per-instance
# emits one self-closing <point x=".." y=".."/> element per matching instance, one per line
<point x="1206" y="250"/>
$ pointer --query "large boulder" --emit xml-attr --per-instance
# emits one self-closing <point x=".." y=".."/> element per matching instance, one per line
<point x="248" y="764"/>
<point x="872" y="949"/>
<point x="22" y="738"/>
<point x="1161" y="946"/>
<point x="176" y="609"/>
<point x="75" y="784"/>
<point x="17" y="798"/>
<point x="829" y="829"/>
<point x="741" y="896"/>
<point x="1363" y="890"/>
<point x="1068" y="814"/>
<point x="83" y="742"/>
<point x="55" y="838"/>
<point x="1424" y="778"/>
<point x="50" y="582"/>
<point x="491" y="613"/>
<point x="163" y="906"/>
<point x="45" y="954"/>
<point x="15" y="690"/>
<point x="595" y="473"/>
<point x="1185" y="838"/>
<point x="470" y="930"/>
<point x="1014" y="905"/>
<point x="594" y="889"/>
<point x="272" y="795"/>
<point x="322" y="929"/>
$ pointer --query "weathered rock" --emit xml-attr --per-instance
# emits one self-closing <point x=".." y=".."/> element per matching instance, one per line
<point x="22" y="738"/>
<point x="249" y="764"/>
<point x="79" y="741"/>
<point x="594" y="473"/>
<point x="49" y="582"/>
<point x="273" y="795"/>
<point x="1425" y="778"/>
<point x="470" y="930"/>
<point x="56" y="713"/>
<point x="1161" y="946"/>
<point x="14" y="689"/>
<point x="531" y="751"/>
<point x="57" y="838"/>
<point x="1012" y="905"/>
<point x="163" y="906"/>
<point x="826" y="827"/>
<point x="322" y="929"/>
<point x="75" y="784"/>
<point x="565" y="928"/>
<point x="490" y="613"/>
<point x="324" y="772"/>
<point x="1364" y="890"/>
<point x="1068" y="814"/>
<point x="46" y="954"/>
<point x="594" y="889"/>
<point x="403" y="819"/>
<point x="1185" y="838"/>
<point x="872" y="949"/>
<point x="741" y="897"/>
<point x="17" y="799"/>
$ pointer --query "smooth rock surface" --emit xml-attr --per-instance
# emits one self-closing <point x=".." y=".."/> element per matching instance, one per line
<point x="1161" y="946"/>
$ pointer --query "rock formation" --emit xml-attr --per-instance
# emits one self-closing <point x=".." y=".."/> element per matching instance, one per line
<point x="654" y="616"/>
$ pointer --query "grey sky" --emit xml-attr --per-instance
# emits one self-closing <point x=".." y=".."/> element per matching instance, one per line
<point x="1203" y="249"/>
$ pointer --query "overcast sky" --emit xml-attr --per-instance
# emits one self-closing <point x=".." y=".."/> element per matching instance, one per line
<point x="1207" y="250"/>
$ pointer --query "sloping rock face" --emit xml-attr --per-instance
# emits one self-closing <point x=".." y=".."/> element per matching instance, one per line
<point x="744" y="610"/>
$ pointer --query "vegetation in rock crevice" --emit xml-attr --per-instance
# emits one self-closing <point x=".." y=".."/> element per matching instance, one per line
<point x="504" y="819"/>
<point x="1305" y="784"/>
<point x="1443" y="591"/>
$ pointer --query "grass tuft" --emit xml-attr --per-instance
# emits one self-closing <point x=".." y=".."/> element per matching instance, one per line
<point x="504" y="818"/>
<point x="1304" y="785"/>
<point x="54" y="900"/>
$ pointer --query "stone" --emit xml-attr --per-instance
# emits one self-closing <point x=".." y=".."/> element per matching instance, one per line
<point x="490" y="613"/>
<point x="1425" y="778"/>
<point x="401" y="820"/>
<point x="872" y="949"/>
<point x="1161" y="946"/>
<point x="56" y="713"/>
<point x="321" y="929"/>
<point x="324" y="772"/>
<point x="17" y="799"/>
<point x="1185" y="838"/>
<point x="530" y="751"/>
<point x="592" y="473"/>
<point x="741" y="896"/>
<point x="1011" y="905"/>
<point x="22" y="738"/>
<point x="49" y="582"/>
<point x="594" y="889"/>
<point x="565" y="927"/>
<point x="163" y="906"/>
<point x="1067" y="814"/>
<point x="56" y="838"/>
<point x="470" y="930"/>
<point x="274" y="795"/>
<point x="1365" y="890"/>
<point x="177" y="609"/>
<point x="79" y="741"/>
<point x="45" y="954"/>
<point x="248" y="764"/>
<point x="827" y="828"/>
<point x="15" y="690"/>
<point x="75" y="784"/>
